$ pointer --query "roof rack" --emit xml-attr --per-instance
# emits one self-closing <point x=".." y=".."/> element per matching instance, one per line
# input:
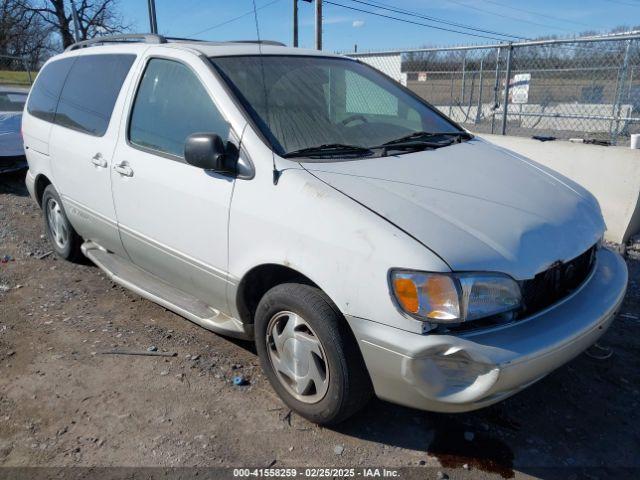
<point x="123" y="38"/>
<point x="261" y="42"/>
<point x="225" y="42"/>
<point x="153" y="38"/>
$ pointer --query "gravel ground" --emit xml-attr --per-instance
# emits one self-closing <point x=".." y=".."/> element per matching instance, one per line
<point x="64" y="403"/>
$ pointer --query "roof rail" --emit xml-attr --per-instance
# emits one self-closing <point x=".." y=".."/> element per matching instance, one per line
<point x="123" y="38"/>
<point x="156" y="39"/>
<point x="261" y="42"/>
<point x="222" y="42"/>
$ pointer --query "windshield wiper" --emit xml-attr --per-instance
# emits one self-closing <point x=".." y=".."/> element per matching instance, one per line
<point x="422" y="140"/>
<point x="423" y="136"/>
<point x="328" y="149"/>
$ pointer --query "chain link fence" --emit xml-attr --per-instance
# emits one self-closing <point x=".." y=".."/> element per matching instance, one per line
<point x="15" y="72"/>
<point x="585" y="88"/>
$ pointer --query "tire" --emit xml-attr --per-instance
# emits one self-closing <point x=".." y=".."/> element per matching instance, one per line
<point x="298" y="327"/>
<point x="64" y="240"/>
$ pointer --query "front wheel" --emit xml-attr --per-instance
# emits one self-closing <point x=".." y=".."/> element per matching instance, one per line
<point x="63" y="238"/>
<point x="309" y="354"/>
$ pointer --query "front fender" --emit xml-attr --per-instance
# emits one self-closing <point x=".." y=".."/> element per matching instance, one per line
<point x="306" y="225"/>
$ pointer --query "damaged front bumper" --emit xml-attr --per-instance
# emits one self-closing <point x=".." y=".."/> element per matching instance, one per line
<point x="447" y="373"/>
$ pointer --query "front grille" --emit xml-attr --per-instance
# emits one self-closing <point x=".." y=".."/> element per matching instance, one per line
<point x="542" y="291"/>
<point x="555" y="283"/>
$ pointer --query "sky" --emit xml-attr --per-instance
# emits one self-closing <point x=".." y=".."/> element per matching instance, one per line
<point x="343" y="28"/>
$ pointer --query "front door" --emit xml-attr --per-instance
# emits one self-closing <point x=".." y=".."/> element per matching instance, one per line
<point x="173" y="216"/>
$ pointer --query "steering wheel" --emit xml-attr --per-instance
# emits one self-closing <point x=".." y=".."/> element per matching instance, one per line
<point x="353" y="118"/>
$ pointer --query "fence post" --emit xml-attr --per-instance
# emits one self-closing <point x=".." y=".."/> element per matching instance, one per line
<point x="505" y="106"/>
<point x="451" y="95"/>
<point x="617" y="106"/>
<point x="495" y="91"/>
<point x="479" y="111"/>
<point x="464" y="72"/>
<point x="25" y="64"/>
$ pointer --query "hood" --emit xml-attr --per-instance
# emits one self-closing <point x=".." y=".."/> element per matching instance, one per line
<point x="477" y="206"/>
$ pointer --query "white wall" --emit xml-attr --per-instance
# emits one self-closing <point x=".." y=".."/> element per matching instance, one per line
<point x="612" y="174"/>
<point x="388" y="63"/>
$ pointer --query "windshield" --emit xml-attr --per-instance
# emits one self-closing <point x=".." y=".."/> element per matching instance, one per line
<point x="307" y="102"/>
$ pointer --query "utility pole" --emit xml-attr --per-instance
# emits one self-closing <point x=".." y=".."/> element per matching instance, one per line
<point x="318" y="24"/>
<point x="153" y="23"/>
<point x="295" y="23"/>
<point x="76" y="21"/>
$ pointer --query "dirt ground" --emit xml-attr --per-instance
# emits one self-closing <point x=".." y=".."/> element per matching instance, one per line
<point x="64" y="403"/>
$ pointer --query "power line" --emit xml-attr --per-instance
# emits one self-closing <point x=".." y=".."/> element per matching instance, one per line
<point x="466" y="5"/>
<point x="413" y="22"/>
<point x="552" y="17"/>
<point x="624" y="3"/>
<point x="435" y="19"/>
<point x="409" y="12"/>
<point x="246" y="14"/>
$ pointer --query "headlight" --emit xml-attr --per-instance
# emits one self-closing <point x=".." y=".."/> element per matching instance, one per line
<point x="454" y="298"/>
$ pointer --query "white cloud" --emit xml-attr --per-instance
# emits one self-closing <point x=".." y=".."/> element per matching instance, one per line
<point x="326" y="21"/>
<point x="333" y="20"/>
<point x="357" y="23"/>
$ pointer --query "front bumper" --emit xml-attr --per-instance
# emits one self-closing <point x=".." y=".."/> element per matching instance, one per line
<point x="447" y="373"/>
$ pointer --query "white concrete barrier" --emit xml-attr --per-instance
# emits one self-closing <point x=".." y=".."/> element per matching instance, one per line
<point x="612" y="174"/>
<point x="571" y="117"/>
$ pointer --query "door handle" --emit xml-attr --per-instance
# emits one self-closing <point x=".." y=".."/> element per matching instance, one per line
<point x="99" y="161"/>
<point x="124" y="169"/>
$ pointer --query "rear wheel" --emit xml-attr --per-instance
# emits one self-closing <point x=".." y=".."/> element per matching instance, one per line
<point x="63" y="238"/>
<point x="309" y="354"/>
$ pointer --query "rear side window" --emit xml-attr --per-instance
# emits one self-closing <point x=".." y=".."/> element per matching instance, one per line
<point x="46" y="91"/>
<point x="90" y="92"/>
<point x="170" y="105"/>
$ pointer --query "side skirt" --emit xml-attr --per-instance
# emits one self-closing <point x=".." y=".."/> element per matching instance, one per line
<point x="133" y="278"/>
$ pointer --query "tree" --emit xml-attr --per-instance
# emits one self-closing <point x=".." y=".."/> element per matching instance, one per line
<point x="23" y="34"/>
<point x="95" y="17"/>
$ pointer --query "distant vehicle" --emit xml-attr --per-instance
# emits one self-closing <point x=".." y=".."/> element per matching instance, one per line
<point x="309" y="203"/>
<point x="12" y="157"/>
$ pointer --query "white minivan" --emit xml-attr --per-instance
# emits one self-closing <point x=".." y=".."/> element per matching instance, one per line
<point x="363" y="240"/>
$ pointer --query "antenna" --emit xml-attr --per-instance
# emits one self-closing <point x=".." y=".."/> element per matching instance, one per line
<point x="276" y="172"/>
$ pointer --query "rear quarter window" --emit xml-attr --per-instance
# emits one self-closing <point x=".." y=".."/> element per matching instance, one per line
<point x="90" y="92"/>
<point x="46" y="91"/>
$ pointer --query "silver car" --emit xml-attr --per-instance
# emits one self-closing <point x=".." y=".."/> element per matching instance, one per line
<point x="12" y="100"/>
<point x="305" y="201"/>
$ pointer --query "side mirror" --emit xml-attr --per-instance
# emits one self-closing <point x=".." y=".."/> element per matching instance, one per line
<point x="207" y="151"/>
